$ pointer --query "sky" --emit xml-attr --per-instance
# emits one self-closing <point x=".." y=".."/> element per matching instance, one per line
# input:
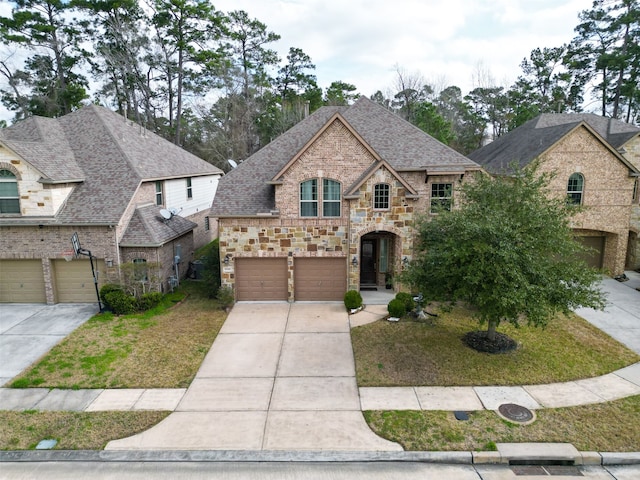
<point x="364" y="42"/>
<point x="452" y="42"/>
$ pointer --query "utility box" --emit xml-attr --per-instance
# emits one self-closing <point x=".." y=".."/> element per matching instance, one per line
<point x="198" y="269"/>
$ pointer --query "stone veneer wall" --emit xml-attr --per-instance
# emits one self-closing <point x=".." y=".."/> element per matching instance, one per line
<point x="608" y="191"/>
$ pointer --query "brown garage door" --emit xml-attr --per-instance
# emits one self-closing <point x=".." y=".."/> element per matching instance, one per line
<point x="595" y="255"/>
<point x="320" y="278"/>
<point x="74" y="281"/>
<point x="259" y="279"/>
<point x="22" y="281"/>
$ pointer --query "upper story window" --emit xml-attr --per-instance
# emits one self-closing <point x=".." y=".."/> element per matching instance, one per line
<point x="159" y="193"/>
<point x="331" y="200"/>
<point x="575" y="188"/>
<point x="189" y="189"/>
<point x="9" y="198"/>
<point x="309" y="198"/>
<point x="441" y="197"/>
<point x="381" y="196"/>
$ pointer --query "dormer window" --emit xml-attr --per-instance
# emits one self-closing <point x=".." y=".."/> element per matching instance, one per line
<point x="575" y="188"/>
<point x="381" y="196"/>
<point x="9" y="197"/>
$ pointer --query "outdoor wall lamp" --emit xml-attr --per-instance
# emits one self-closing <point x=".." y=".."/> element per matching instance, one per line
<point x="405" y="261"/>
<point x="109" y="263"/>
<point x="354" y="262"/>
<point x="227" y="257"/>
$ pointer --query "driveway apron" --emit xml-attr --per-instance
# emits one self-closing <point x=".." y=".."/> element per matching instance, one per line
<point x="279" y="376"/>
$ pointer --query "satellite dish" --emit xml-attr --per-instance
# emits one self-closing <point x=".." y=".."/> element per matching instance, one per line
<point x="232" y="163"/>
<point x="166" y="214"/>
<point x="174" y="211"/>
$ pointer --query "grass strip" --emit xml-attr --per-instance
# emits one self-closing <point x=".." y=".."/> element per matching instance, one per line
<point x="72" y="430"/>
<point x="605" y="427"/>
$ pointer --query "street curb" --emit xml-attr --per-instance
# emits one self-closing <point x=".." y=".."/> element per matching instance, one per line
<point x="458" y="458"/>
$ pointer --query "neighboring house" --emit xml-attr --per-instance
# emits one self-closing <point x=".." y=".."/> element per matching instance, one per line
<point x="589" y="156"/>
<point x="330" y="205"/>
<point x="96" y="174"/>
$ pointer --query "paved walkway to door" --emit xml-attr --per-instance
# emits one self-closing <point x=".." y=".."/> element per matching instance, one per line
<point x="278" y="377"/>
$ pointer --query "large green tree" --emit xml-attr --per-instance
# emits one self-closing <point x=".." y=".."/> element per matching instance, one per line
<point x="49" y="83"/>
<point x="508" y="250"/>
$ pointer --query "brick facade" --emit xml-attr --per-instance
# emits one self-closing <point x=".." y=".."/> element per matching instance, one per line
<point x="608" y="190"/>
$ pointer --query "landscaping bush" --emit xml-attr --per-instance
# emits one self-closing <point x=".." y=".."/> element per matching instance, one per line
<point x="120" y="303"/>
<point x="396" y="308"/>
<point x="105" y="290"/>
<point x="149" y="300"/>
<point x="225" y="297"/>
<point x="407" y="299"/>
<point x="352" y="299"/>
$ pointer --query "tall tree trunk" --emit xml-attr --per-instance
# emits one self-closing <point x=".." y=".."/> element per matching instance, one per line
<point x="491" y="330"/>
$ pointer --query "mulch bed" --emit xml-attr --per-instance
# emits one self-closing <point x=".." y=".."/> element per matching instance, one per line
<point x="478" y="341"/>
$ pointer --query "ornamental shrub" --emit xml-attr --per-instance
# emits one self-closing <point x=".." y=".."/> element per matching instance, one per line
<point x="120" y="303"/>
<point x="407" y="299"/>
<point x="352" y="299"/>
<point x="106" y="289"/>
<point x="396" y="308"/>
<point x="149" y="300"/>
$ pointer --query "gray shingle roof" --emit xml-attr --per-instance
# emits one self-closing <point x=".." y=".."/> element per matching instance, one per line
<point x="527" y="142"/>
<point x="147" y="228"/>
<point x="110" y="154"/>
<point x="246" y="191"/>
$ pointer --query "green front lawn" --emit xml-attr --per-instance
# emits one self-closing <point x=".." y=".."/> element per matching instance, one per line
<point x="410" y="353"/>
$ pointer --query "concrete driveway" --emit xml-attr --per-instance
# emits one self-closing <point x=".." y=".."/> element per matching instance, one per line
<point x="278" y="377"/>
<point x="28" y="331"/>
<point x="621" y="317"/>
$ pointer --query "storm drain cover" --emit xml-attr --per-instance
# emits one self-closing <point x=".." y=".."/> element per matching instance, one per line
<point x="516" y="413"/>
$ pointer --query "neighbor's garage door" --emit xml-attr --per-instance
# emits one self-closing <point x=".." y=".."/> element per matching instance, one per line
<point x="595" y="256"/>
<point x="22" y="281"/>
<point x="320" y="278"/>
<point x="261" y="279"/>
<point x="74" y="280"/>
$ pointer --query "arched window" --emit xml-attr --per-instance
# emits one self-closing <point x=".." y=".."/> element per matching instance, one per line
<point x="331" y="203"/>
<point x="309" y="198"/>
<point x="575" y="187"/>
<point x="381" y="196"/>
<point x="9" y="198"/>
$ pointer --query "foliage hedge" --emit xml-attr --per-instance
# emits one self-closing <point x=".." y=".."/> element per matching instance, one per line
<point x="397" y="308"/>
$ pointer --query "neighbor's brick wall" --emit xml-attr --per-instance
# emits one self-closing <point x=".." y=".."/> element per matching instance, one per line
<point x="51" y="242"/>
<point x="632" y="153"/>
<point x="607" y="193"/>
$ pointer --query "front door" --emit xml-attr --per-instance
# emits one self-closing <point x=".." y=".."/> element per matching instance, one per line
<point x="368" y="262"/>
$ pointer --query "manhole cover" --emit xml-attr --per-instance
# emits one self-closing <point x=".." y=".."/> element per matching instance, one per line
<point x="516" y="413"/>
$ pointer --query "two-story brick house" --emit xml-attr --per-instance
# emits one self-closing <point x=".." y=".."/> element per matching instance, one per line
<point x="330" y="204"/>
<point x="586" y="153"/>
<point x="96" y="174"/>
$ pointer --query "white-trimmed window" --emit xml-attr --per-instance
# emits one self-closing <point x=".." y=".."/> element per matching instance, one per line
<point x="9" y="197"/>
<point x="309" y="198"/>
<point x="441" y="197"/>
<point x="159" y="193"/>
<point x="331" y="202"/>
<point x="381" y="192"/>
<point x="189" y="189"/>
<point x="575" y="188"/>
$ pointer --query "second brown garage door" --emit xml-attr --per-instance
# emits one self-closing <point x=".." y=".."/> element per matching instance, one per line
<point x="595" y="255"/>
<point x="260" y="279"/>
<point x="320" y="278"/>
